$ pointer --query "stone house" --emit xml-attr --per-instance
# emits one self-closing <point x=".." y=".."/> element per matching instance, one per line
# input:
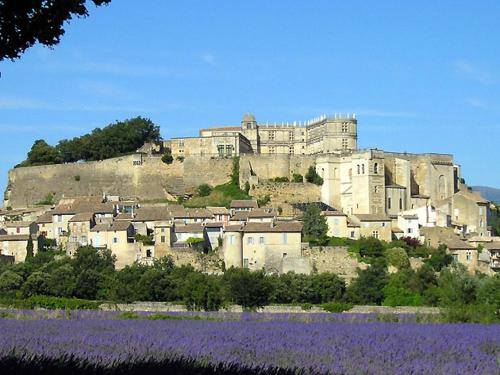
<point x="45" y="226"/>
<point x="262" y="245"/>
<point x="337" y="224"/>
<point x="21" y="227"/>
<point x="146" y="218"/>
<point x="214" y="233"/>
<point x="409" y="226"/>
<point x="375" y="225"/>
<point x="463" y="253"/>
<point x="243" y="205"/>
<point x="494" y="251"/>
<point x="261" y="215"/>
<point x="79" y="228"/>
<point x="239" y="217"/>
<point x="192" y="216"/>
<point x="117" y="237"/>
<point x="221" y="214"/>
<point x="183" y="232"/>
<point x="15" y="245"/>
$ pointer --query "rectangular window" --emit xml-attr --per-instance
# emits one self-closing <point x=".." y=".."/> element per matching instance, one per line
<point x="389" y="203"/>
<point x="271" y="135"/>
<point x="345" y="143"/>
<point x="250" y="240"/>
<point x="115" y="239"/>
<point x="410" y="230"/>
<point x="375" y="234"/>
<point x="220" y="150"/>
<point x="352" y="234"/>
<point x="468" y="256"/>
<point x="245" y="262"/>
<point x="455" y="257"/>
<point x="162" y="239"/>
<point x="285" y="238"/>
<point x="291" y="136"/>
<point x="261" y="240"/>
<point x="229" y="150"/>
<point x="345" y="128"/>
<point x="285" y="255"/>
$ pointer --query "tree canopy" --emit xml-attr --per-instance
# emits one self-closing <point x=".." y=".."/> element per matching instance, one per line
<point x="114" y="140"/>
<point x="25" y="23"/>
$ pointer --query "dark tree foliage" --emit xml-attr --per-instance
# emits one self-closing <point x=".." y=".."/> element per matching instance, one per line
<point x="313" y="177"/>
<point x="114" y="140"/>
<point x="315" y="225"/>
<point x="439" y="259"/>
<point x="248" y="289"/>
<point x="368" y="288"/>
<point x="29" y="248"/>
<point x="23" y="23"/>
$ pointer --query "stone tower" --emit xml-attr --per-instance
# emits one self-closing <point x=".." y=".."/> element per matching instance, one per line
<point x="250" y="130"/>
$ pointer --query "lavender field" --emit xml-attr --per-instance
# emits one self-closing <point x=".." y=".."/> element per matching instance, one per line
<point x="98" y="342"/>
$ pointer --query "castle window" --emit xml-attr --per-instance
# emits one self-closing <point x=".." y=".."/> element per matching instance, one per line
<point x="389" y="203"/>
<point x="375" y="234"/>
<point x="290" y="149"/>
<point x="271" y="135"/>
<point x="400" y="203"/>
<point x="290" y="136"/>
<point x="375" y="168"/>
<point x="359" y="170"/>
<point x="345" y="143"/>
<point x="245" y="262"/>
<point x="271" y="150"/>
<point x="250" y="240"/>
<point x="375" y="189"/>
<point x="181" y="143"/>
<point x="345" y="127"/>
<point x="261" y="240"/>
<point x="220" y="150"/>
<point x="362" y="168"/>
<point x="229" y="150"/>
<point x="285" y="238"/>
<point x="148" y="253"/>
<point x="468" y="256"/>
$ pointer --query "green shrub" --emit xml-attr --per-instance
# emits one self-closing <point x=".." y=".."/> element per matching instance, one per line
<point x="204" y="190"/>
<point x="128" y="315"/>
<point x="397" y="257"/>
<point x="313" y="177"/>
<point x="48" y="200"/>
<point x="146" y="240"/>
<point x="167" y="158"/>
<point x="50" y="303"/>
<point x="336" y="307"/>
<point x="10" y="282"/>
<point x="264" y="200"/>
<point x="77" y="177"/>
<point x="297" y="177"/>
<point x="180" y="158"/>
<point x="473" y="313"/>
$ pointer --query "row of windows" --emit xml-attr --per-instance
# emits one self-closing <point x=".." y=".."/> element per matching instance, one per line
<point x="361" y="168"/>
<point x="262" y="241"/>
<point x="389" y="203"/>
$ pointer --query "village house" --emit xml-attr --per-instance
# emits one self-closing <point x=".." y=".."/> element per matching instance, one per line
<point x="184" y="232"/>
<point x="337" y="223"/>
<point x="261" y="215"/>
<point x="15" y="245"/>
<point x="262" y="245"/>
<point x="374" y="225"/>
<point x="221" y="214"/>
<point x="117" y="237"/>
<point x="21" y="227"/>
<point x="243" y="205"/>
<point x="45" y="225"/>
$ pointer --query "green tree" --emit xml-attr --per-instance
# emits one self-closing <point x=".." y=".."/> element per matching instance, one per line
<point x="488" y="291"/>
<point x="63" y="281"/>
<point x="88" y="283"/>
<point x="439" y="259"/>
<point x="157" y="285"/>
<point x="202" y="292"/>
<point x="313" y="177"/>
<point x="369" y="247"/>
<point x="29" y="248"/>
<point x="204" y="190"/>
<point x="315" y="225"/>
<point x="248" y="289"/>
<point x="398" y="290"/>
<point x="368" y="287"/>
<point x="397" y="257"/>
<point x="25" y="23"/>
<point x="235" y="173"/>
<point x="88" y="258"/>
<point x="326" y="287"/>
<point x="42" y="153"/>
<point x="297" y="177"/>
<point x="38" y="283"/>
<point x="457" y="287"/>
<point x="10" y="282"/>
<point x="167" y="158"/>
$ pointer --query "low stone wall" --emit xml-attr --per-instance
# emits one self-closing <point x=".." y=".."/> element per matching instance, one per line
<point x="211" y="263"/>
<point x="395" y="310"/>
<point x="334" y="259"/>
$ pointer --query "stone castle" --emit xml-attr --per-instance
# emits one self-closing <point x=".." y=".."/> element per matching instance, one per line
<point x="386" y="195"/>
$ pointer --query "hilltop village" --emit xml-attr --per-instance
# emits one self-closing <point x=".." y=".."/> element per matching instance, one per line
<point x="153" y="203"/>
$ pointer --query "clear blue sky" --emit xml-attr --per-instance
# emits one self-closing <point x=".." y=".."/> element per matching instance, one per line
<point x="423" y="76"/>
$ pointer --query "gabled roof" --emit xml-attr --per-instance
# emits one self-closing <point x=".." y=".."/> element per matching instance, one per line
<point x="193" y="213"/>
<point x="458" y="244"/>
<point x="72" y="206"/>
<point x="189" y="228"/>
<point x="261" y="213"/>
<point x="16" y="237"/>
<point x="17" y="224"/>
<point x="244" y="203"/>
<point x="45" y="218"/>
<point x="492" y="245"/>
<point x="115" y="226"/>
<point x="372" y="217"/>
<point x="282" y="226"/>
<point x="85" y="216"/>
<point x="152" y="214"/>
<point x="218" y="210"/>
<point x="239" y="216"/>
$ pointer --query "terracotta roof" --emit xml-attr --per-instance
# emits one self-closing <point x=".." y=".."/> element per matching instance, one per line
<point x="100" y="228"/>
<point x="214" y="225"/>
<point x="17" y="224"/>
<point x="45" y="218"/>
<point x="218" y="210"/>
<point x="16" y="237"/>
<point x="333" y="213"/>
<point x="191" y="213"/>
<point x="261" y="213"/>
<point x="81" y="206"/>
<point x="120" y="225"/>
<point x="152" y="214"/>
<point x="244" y="203"/>
<point x="124" y="216"/>
<point x="189" y="228"/>
<point x="492" y="245"/>
<point x="283" y="226"/>
<point x="233" y="228"/>
<point x="85" y="216"/>
<point x="240" y="216"/>
<point x="372" y="217"/>
<point x="458" y="244"/>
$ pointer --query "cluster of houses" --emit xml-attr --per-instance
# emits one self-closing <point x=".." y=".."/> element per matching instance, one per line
<point x="245" y="234"/>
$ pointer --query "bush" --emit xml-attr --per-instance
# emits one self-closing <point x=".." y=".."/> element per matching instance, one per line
<point x="248" y="289"/>
<point x="313" y="177"/>
<point x="10" y="282"/>
<point x="336" y="307"/>
<point x="397" y="257"/>
<point x="48" y="200"/>
<point x="38" y="283"/>
<point x="167" y="158"/>
<point x="77" y="178"/>
<point x="264" y="200"/>
<point x="180" y="158"/>
<point x="204" y="190"/>
<point x="315" y="225"/>
<point x="297" y="177"/>
<point x="474" y="313"/>
<point x="368" y="288"/>
<point x="439" y="259"/>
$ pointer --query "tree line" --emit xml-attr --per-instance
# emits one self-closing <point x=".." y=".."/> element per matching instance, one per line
<point x="119" y="138"/>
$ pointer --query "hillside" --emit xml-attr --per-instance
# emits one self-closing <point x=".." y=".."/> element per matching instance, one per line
<point x="490" y="193"/>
